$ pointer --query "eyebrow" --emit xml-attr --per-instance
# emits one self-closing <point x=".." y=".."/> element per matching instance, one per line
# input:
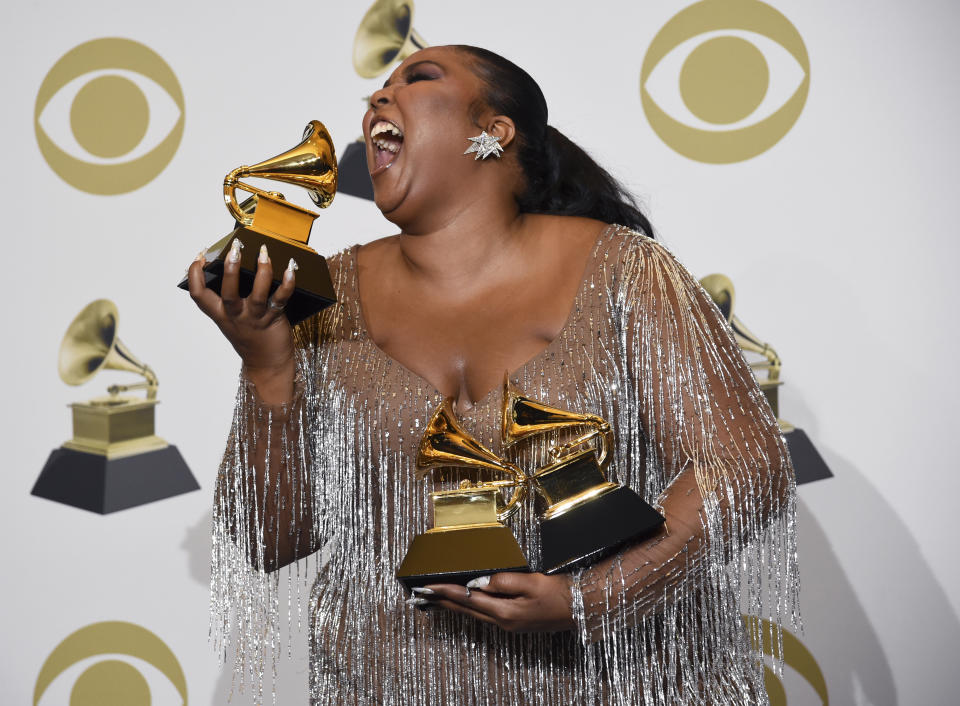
<point x="414" y="66"/>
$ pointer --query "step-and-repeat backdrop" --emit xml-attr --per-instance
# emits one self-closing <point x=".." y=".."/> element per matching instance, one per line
<point x="806" y="150"/>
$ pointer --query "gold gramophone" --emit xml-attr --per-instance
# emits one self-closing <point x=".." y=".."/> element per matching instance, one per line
<point x="587" y="516"/>
<point x="114" y="460"/>
<point x="268" y="219"/>
<point x="468" y="538"/>
<point x="721" y="291"/>
<point x="807" y="462"/>
<point x="385" y="36"/>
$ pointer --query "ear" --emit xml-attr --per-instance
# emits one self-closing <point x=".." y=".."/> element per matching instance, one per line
<point x="501" y="126"/>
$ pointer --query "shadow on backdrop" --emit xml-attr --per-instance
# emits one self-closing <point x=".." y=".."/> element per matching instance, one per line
<point x="854" y="652"/>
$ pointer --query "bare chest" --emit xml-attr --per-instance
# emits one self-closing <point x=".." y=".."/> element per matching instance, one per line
<point x="463" y="351"/>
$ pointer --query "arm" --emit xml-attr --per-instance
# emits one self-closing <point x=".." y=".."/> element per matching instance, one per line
<point x="263" y="496"/>
<point x="265" y="490"/>
<point x="715" y="459"/>
<point x="264" y="513"/>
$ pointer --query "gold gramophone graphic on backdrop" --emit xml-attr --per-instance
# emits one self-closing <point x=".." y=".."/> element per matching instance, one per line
<point x="115" y="460"/>
<point x="267" y="218"/>
<point x="808" y="464"/>
<point x="385" y="36"/>
<point x="587" y="516"/>
<point x="468" y="538"/>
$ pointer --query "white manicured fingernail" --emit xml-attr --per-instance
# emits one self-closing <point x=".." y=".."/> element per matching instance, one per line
<point x="235" y="248"/>
<point x="202" y="255"/>
<point x="416" y="601"/>
<point x="292" y="267"/>
<point x="264" y="257"/>
<point x="423" y="590"/>
<point x="481" y="582"/>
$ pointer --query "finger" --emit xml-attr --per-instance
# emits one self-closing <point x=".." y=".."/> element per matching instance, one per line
<point x="465" y="610"/>
<point x="450" y="591"/>
<point x="287" y="284"/>
<point x="230" y="287"/>
<point x="496" y="608"/>
<point x="507" y="583"/>
<point x="257" y="301"/>
<point x="205" y="298"/>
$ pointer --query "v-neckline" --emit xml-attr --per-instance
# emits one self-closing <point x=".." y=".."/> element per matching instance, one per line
<point x="572" y="315"/>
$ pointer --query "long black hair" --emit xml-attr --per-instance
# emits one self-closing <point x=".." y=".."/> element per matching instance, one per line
<point x="561" y="178"/>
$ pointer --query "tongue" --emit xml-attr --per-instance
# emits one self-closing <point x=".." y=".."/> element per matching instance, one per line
<point x="384" y="157"/>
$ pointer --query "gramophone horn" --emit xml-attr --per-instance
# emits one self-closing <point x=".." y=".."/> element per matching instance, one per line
<point x="587" y="515"/>
<point x="523" y="417"/>
<point x="312" y="165"/>
<point x="91" y="344"/>
<point x="721" y="291"/>
<point x="445" y="443"/>
<point x="385" y="35"/>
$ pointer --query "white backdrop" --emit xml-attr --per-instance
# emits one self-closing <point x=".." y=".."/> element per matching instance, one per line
<point x="841" y="239"/>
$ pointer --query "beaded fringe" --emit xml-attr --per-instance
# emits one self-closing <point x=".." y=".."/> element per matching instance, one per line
<point x="645" y="349"/>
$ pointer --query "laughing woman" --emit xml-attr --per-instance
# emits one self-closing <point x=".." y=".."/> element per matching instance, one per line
<point x="522" y="255"/>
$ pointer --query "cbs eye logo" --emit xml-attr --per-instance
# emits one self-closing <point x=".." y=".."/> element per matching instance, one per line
<point x="793" y="653"/>
<point x="75" y="674"/>
<point x="734" y="74"/>
<point x="109" y="116"/>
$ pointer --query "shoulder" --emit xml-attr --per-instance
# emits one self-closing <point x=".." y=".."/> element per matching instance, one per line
<point x="343" y="265"/>
<point x="643" y="275"/>
<point x="326" y="323"/>
<point x="338" y="264"/>
<point x="372" y="253"/>
<point x="625" y="256"/>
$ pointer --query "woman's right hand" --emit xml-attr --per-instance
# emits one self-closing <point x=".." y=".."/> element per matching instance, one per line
<point x="255" y="326"/>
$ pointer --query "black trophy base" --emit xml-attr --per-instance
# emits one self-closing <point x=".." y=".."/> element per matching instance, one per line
<point x="314" y="290"/>
<point x="104" y="485"/>
<point x="595" y="529"/>
<point x="461" y="555"/>
<point x="808" y="464"/>
<point x="353" y="177"/>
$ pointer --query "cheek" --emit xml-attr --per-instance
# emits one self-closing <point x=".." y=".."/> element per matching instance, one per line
<point x="441" y="118"/>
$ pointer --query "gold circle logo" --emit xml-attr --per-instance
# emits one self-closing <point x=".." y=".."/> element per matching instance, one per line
<point x="725" y="87"/>
<point x="111" y="682"/>
<point x="793" y="653"/>
<point x="121" y="96"/>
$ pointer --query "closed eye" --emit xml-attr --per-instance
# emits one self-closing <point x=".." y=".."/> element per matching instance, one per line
<point x="413" y="78"/>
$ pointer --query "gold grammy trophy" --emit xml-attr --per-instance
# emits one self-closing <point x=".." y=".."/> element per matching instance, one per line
<point x="385" y="36"/>
<point x="807" y="462"/>
<point x="114" y="460"/>
<point x="468" y="538"/>
<point x="587" y="516"/>
<point x="268" y="219"/>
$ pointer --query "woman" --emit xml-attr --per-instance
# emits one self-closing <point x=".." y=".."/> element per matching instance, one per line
<point x="502" y="263"/>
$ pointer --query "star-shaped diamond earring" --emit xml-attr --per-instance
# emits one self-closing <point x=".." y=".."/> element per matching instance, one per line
<point x="484" y="145"/>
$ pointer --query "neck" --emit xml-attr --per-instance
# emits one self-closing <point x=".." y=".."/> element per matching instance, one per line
<point x="469" y="245"/>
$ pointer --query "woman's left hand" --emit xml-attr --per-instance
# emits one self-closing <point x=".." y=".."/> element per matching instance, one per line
<point x="516" y="602"/>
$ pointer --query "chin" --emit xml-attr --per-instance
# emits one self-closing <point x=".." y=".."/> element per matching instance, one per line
<point x="387" y="208"/>
<point x="392" y="204"/>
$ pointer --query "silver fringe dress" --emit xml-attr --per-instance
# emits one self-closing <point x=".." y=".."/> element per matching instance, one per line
<point x="661" y="622"/>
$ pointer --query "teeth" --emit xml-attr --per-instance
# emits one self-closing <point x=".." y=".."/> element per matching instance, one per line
<point x="383" y="126"/>
<point x="389" y="146"/>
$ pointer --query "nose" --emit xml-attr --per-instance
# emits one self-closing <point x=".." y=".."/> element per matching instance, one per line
<point x="381" y="96"/>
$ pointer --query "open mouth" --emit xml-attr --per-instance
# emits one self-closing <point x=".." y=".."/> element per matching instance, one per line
<point x="387" y="140"/>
